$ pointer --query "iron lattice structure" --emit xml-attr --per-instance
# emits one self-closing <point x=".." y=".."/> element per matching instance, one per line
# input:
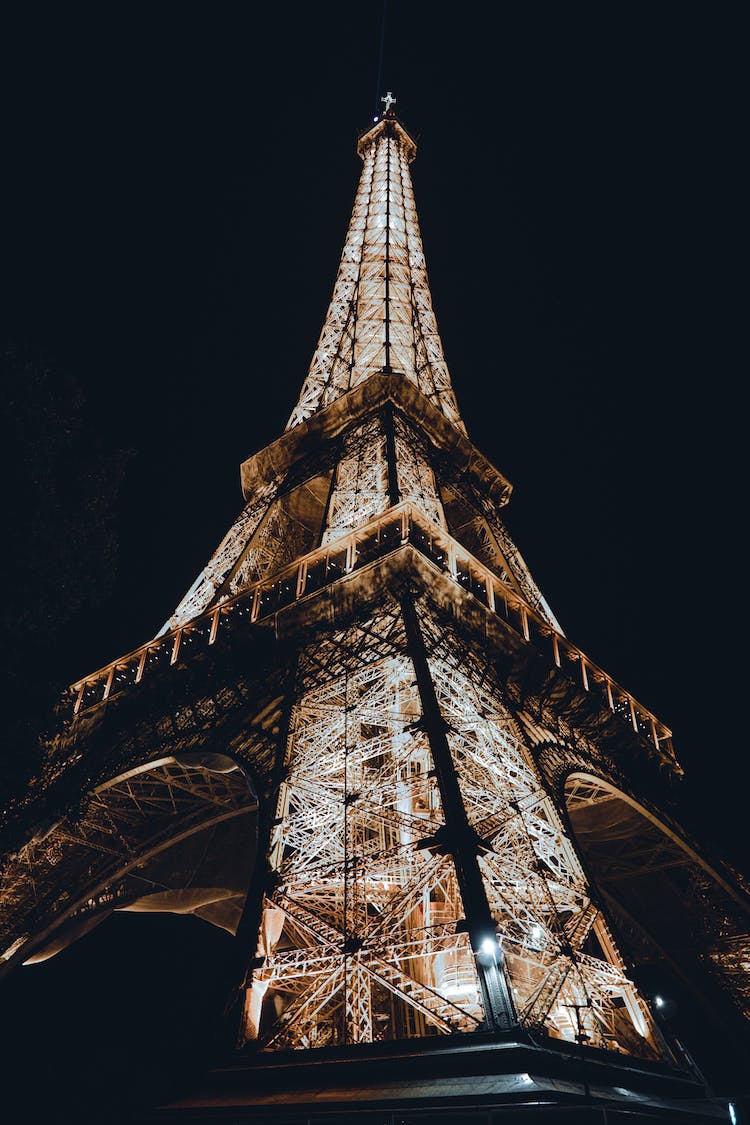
<point x="378" y="850"/>
<point x="435" y="763"/>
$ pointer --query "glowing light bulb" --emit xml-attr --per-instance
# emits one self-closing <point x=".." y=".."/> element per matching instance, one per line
<point x="659" y="1001"/>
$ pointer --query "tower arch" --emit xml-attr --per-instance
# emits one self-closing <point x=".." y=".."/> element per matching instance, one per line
<point x="665" y="894"/>
<point x="152" y="838"/>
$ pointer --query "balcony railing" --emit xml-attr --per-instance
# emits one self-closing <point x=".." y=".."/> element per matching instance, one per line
<point x="398" y="526"/>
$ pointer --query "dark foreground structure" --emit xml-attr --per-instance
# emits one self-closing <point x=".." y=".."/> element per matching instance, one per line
<point x="363" y="745"/>
<point x="479" y="1081"/>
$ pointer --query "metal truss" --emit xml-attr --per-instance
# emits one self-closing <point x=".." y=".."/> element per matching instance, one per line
<point x="396" y="527"/>
<point x="279" y="539"/>
<point x="536" y="887"/>
<point x="81" y="864"/>
<point x="640" y="860"/>
<point x="383" y="459"/>
<point x="366" y="935"/>
<point x="380" y="317"/>
<point x="210" y="580"/>
<point x="360" y="488"/>
<point x="416" y="479"/>
<point x="369" y="948"/>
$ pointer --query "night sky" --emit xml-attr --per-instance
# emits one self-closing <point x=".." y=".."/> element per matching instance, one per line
<point x="176" y="193"/>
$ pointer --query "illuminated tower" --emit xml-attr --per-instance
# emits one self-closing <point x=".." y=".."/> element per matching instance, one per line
<point x="366" y="680"/>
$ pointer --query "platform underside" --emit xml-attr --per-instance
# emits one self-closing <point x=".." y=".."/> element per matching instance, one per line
<point x="477" y="1082"/>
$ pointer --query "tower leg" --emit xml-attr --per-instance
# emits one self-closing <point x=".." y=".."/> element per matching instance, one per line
<point x="243" y="1009"/>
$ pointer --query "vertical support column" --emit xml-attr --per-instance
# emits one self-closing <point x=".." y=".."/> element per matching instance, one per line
<point x="111" y="676"/>
<point x="394" y="493"/>
<point x="264" y="877"/>
<point x="388" y="142"/>
<point x="460" y="837"/>
<point x="329" y="497"/>
<point x="358" y="1023"/>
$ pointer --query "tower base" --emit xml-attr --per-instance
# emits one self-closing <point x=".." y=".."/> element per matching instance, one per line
<point x="483" y="1080"/>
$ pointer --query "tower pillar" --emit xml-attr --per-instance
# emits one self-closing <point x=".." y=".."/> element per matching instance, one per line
<point x="460" y="839"/>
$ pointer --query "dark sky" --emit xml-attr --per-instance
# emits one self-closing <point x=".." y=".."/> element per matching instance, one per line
<point x="176" y="194"/>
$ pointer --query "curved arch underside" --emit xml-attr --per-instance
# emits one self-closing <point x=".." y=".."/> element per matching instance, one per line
<point x="175" y="834"/>
<point x="664" y="894"/>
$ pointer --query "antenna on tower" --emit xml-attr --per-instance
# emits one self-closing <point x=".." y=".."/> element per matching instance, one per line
<point x="376" y="108"/>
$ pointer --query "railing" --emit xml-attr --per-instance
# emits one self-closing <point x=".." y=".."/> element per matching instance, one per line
<point x="400" y="525"/>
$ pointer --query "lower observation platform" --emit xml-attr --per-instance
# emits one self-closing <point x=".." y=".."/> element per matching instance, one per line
<point x="482" y="1081"/>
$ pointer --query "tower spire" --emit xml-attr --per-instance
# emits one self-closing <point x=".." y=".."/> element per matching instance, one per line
<point x="380" y="318"/>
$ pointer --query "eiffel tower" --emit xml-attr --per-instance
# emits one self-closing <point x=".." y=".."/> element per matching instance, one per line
<point x="363" y="744"/>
